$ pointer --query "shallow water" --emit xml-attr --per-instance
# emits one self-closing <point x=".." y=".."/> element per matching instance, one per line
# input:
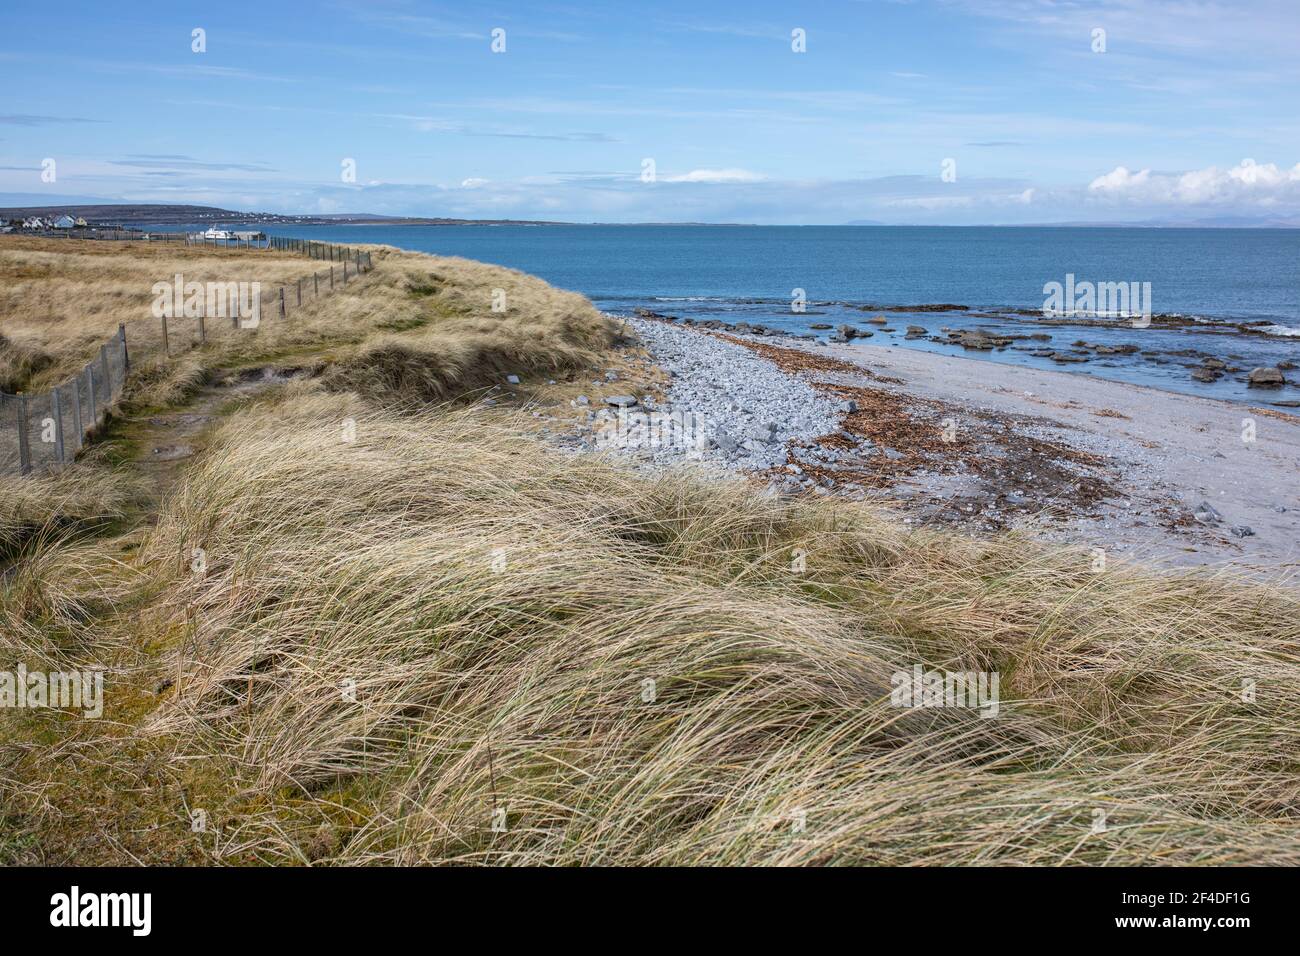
<point x="750" y="273"/>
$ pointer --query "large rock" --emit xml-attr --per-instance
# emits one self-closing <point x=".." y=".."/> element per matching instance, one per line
<point x="1266" y="378"/>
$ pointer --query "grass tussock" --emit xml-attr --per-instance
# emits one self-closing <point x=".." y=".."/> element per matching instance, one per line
<point x="440" y="642"/>
<point x="83" y="497"/>
<point x="492" y="322"/>
<point x="19" y="362"/>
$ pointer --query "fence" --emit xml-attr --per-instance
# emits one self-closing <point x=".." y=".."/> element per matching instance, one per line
<point x="320" y="250"/>
<point x="346" y="264"/>
<point x="43" y="431"/>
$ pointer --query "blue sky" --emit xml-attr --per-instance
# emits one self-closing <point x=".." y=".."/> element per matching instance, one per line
<point x="1189" y="113"/>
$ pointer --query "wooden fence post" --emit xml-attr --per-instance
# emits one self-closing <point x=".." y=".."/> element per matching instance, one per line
<point x="94" y="406"/>
<point x="24" y="449"/>
<point x="203" y="332"/>
<point x="56" y="409"/>
<point x="299" y="293"/>
<point x="315" y="283"/>
<point x="126" y="356"/>
<point x="166" y="347"/>
<point x="108" y="376"/>
<point x="331" y="277"/>
<point x="76" y="408"/>
<point x="282" y="302"/>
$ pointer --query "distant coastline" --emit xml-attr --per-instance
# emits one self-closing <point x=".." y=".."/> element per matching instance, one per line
<point x="167" y="214"/>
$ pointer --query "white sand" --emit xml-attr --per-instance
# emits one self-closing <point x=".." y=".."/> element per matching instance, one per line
<point x="1170" y="452"/>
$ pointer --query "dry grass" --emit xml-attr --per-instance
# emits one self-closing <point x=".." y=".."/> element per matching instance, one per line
<point x="495" y="611"/>
<point x="417" y="325"/>
<point x="399" y="640"/>
<point x="83" y="497"/>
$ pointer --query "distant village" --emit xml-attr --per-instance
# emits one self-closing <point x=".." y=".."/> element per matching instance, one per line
<point x="66" y="224"/>
<point x="44" y="224"/>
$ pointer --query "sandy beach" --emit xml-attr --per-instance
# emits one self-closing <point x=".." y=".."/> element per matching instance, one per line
<point x="1163" y="454"/>
<point x="983" y="447"/>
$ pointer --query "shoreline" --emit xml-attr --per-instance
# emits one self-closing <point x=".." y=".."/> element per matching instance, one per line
<point x="986" y="446"/>
<point x="1217" y="362"/>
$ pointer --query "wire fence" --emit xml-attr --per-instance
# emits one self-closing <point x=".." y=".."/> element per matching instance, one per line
<point x="43" y="431"/>
<point x="237" y="312"/>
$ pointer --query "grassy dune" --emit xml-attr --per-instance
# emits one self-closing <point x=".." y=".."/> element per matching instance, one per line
<point x="418" y="325"/>
<point x="370" y="624"/>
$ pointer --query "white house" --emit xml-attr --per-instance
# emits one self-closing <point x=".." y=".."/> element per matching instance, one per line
<point x="63" y="222"/>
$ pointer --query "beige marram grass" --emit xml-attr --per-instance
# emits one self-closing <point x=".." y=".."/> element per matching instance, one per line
<point x="499" y="608"/>
<point x="415" y="327"/>
<point x="84" y="496"/>
<point x="60" y="299"/>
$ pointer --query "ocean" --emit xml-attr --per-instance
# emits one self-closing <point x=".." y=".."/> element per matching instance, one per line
<point x="1236" y="291"/>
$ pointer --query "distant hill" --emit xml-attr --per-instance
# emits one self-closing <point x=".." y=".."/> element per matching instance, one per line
<point x="175" y="215"/>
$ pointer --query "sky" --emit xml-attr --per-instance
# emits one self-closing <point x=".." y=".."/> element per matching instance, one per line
<point x="925" y="112"/>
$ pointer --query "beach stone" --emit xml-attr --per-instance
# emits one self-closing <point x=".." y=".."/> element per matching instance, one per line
<point x="512" y="379"/>
<point x="1242" y="531"/>
<point x="1265" y="378"/>
<point x="582" y="400"/>
<point x="1206" y="513"/>
<point x="820" y="326"/>
<point x="879" y="320"/>
<point x="1205" y="375"/>
<point x="621" y="401"/>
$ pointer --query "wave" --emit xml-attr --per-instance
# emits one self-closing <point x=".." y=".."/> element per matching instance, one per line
<point x="1289" y="331"/>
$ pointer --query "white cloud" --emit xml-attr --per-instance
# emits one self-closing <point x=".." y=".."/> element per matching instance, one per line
<point x="716" y="176"/>
<point x="1248" y="183"/>
<point x="472" y="183"/>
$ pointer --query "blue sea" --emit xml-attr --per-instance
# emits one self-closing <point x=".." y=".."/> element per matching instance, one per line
<point x="750" y="273"/>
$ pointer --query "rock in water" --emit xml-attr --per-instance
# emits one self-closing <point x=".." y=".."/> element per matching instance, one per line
<point x="1266" y="378"/>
